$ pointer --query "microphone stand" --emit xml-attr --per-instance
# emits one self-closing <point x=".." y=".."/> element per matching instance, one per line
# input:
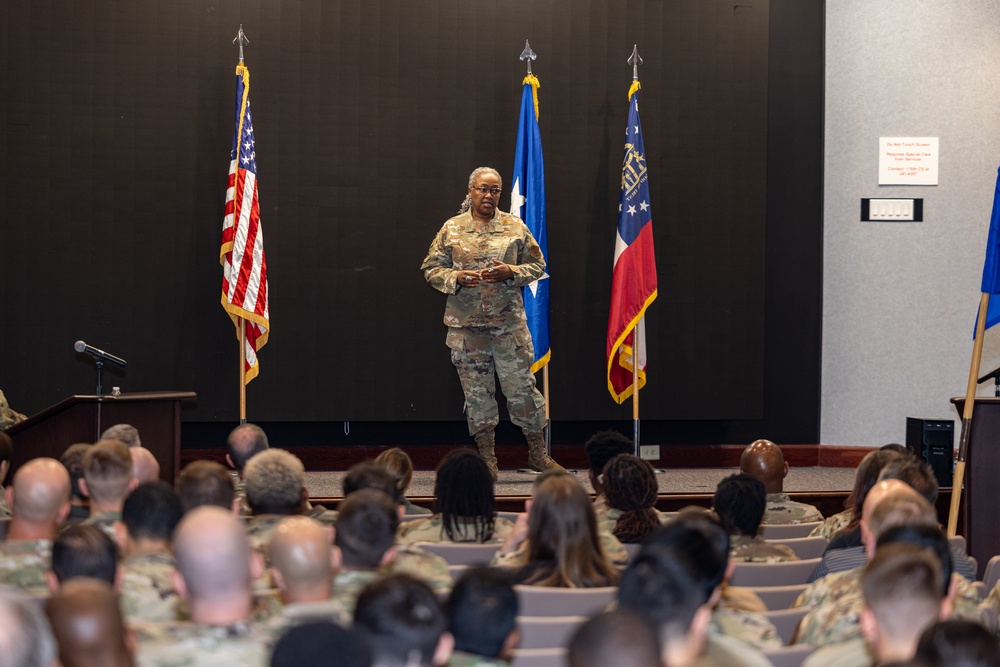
<point x="100" y="367"/>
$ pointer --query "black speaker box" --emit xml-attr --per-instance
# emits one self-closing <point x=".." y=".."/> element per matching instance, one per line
<point x="933" y="440"/>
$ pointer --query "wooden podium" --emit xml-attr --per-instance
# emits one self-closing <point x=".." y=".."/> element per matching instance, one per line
<point x="981" y="522"/>
<point x="157" y="416"/>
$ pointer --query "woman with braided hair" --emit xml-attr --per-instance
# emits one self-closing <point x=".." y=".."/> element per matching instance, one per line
<point x="630" y="488"/>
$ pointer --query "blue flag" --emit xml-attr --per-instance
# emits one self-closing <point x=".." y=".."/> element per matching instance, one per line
<point x="527" y="201"/>
<point x="991" y="267"/>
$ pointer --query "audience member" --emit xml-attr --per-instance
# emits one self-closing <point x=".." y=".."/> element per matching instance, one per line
<point x="8" y="416"/>
<point x="408" y="558"/>
<point x="365" y="532"/>
<point x="737" y="613"/>
<point x="400" y="467"/>
<point x="902" y="589"/>
<point x="6" y="455"/>
<point x="150" y="515"/>
<point x="145" y="467"/>
<point x="617" y="637"/>
<point x="601" y="448"/>
<point x="72" y="459"/>
<point x="123" y="433"/>
<point x="39" y="500"/>
<point x="763" y="459"/>
<point x="465" y="507"/>
<point x="107" y="479"/>
<point x="303" y="564"/>
<point x="958" y="643"/>
<point x="404" y="622"/>
<point x="663" y="586"/>
<point x="482" y="613"/>
<point x="244" y="442"/>
<point x="206" y="483"/>
<point x="556" y="542"/>
<point x="739" y="501"/>
<point x="25" y="636"/>
<point x="83" y="551"/>
<point x="320" y="643"/>
<point x="88" y="625"/>
<point x="630" y="492"/>
<point x="215" y="570"/>
<point x="848" y="521"/>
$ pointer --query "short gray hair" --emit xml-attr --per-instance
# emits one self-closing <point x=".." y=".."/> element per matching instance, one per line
<point x="476" y="173"/>
<point x="123" y="433"/>
<point x="274" y="482"/>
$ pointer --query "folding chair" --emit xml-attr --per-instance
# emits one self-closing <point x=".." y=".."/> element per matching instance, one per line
<point x="462" y="553"/>
<point x="547" y="601"/>
<point x="778" y="597"/>
<point x="547" y="631"/>
<point x="786" y="621"/>
<point x="773" y="574"/>
<point x="804" y="547"/>
<point x="784" y="531"/>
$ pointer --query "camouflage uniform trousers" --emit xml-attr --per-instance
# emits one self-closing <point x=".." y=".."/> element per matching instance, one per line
<point x="477" y="353"/>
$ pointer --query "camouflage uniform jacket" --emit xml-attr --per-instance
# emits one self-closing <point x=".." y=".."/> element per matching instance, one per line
<point x="463" y="244"/>
<point x="782" y="509"/>
<point x="753" y="628"/>
<point x="431" y="529"/>
<point x="23" y="564"/>
<point x="837" y="601"/>
<point x="8" y="417"/>
<point x="147" y="592"/>
<point x="855" y="653"/>
<point x="301" y="612"/>
<point x="607" y="516"/>
<point x="423" y="565"/>
<point x="462" y="659"/>
<point x="259" y="529"/>
<point x="722" y="651"/>
<point x="243" y="643"/>
<point x="740" y="598"/>
<point x="106" y="522"/>
<point x="5" y="512"/>
<point x="743" y="549"/>
<point x="832" y="525"/>
<point x="347" y="586"/>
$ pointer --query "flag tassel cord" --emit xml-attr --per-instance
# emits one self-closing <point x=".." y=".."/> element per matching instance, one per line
<point x="970" y="402"/>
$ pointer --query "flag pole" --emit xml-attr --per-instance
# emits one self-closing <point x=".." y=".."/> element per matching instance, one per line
<point x="635" y="60"/>
<point x="970" y="402"/>
<point x="240" y="41"/>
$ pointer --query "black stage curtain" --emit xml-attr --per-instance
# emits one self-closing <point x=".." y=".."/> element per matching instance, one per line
<point x="369" y="116"/>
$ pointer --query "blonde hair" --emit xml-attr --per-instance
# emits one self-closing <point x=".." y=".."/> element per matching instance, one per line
<point x="399" y="465"/>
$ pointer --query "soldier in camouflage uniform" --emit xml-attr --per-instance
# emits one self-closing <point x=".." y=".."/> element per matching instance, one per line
<point x="739" y="501"/>
<point x="431" y="529"/>
<point x="763" y="459"/>
<point x="8" y="417"/>
<point x="480" y="259"/>
<point x="87" y="621"/>
<point x="150" y="515"/>
<point x="482" y="618"/>
<point x="107" y="479"/>
<point x="40" y="500"/>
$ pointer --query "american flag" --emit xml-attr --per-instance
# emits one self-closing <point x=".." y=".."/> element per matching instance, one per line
<point x="244" y="269"/>
<point x="633" y="285"/>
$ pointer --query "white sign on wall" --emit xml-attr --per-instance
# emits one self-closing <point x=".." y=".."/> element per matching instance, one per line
<point x="908" y="161"/>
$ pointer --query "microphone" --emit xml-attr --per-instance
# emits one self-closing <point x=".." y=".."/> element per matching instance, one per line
<point x="80" y="346"/>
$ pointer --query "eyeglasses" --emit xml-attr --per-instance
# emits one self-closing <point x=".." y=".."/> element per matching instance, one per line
<point x="483" y="190"/>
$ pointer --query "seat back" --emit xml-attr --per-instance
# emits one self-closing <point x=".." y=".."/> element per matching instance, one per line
<point x="539" y="657"/>
<point x="461" y="553"/>
<point x="773" y="574"/>
<point x="547" y="631"/>
<point x="786" y="621"/>
<point x="546" y="601"/>
<point x="783" y="531"/>
<point x="789" y="656"/>
<point x="804" y="547"/>
<point x="991" y="575"/>
<point x="779" y="597"/>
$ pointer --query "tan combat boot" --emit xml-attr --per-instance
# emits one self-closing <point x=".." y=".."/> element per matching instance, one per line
<point x="538" y="460"/>
<point x="486" y="441"/>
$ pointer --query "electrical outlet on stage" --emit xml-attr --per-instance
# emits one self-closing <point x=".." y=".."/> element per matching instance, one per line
<point x="649" y="452"/>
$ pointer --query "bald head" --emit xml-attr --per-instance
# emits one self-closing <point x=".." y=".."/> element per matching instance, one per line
<point x="243" y="443"/>
<point x="88" y="625"/>
<point x="213" y="555"/>
<point x="878" y="493"/>
<point x="300" y="551"/>
<point x="763" y="459"/>
<point x="40" y="491"/>
<point x="145" y="467"/>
